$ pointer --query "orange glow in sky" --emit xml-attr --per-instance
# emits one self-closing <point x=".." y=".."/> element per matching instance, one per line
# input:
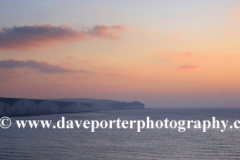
<point x="163" y="54"/>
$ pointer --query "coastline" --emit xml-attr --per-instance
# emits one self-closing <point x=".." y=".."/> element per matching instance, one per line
<point x="18" y="107"/>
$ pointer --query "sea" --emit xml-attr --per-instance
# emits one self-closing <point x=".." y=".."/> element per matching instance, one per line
<point x="124" y="144"/>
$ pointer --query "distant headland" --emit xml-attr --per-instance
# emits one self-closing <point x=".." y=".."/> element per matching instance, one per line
<point x="29" y="107"/>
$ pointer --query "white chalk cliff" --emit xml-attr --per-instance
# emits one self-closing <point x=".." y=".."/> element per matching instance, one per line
<point x="24" y="107"/>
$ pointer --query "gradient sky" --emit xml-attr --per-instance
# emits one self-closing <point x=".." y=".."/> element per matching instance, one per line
<point x="164" y="53"/>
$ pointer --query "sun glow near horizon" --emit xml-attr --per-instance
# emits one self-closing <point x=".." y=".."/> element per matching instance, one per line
<point x="160" y="53"/>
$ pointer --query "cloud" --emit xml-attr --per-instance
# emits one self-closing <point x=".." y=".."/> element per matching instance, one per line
<point x="172" y="55"/>
<point x="102" y="31"/>
<point x="42" y="66"/>
<point x="24" y="37"/>
<point x="189" y="67"/>
<point x="69" y="57"/>
<point x="184" y="55"/>
<point x="187" y="54"/>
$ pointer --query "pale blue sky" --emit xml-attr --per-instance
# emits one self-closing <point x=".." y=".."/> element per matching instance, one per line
<point x="155" y="14"/>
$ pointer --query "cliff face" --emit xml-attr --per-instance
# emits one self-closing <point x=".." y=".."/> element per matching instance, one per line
<point x="25" y="107"/>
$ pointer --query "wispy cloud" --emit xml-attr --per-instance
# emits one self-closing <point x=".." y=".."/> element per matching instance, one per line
<point x="172" y="54"/>
<point x="69" y="57"/>
<point x="23" y="37"/>
<point x="110" y="32"/>
<point x="187" y="54"/>
<point x="189" y="67"/>
<point x="42" y="66"/>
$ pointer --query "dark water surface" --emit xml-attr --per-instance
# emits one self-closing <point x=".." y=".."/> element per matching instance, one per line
<point x="111" y="144"/>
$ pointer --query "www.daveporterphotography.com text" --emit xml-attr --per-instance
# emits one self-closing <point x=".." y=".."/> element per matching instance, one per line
<point x="138" y="125"/>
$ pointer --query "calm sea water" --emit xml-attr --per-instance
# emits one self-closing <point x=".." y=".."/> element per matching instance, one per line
<point x="111" y="144"/>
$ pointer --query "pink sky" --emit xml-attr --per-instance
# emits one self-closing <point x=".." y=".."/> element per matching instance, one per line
<point x="167" y="63"/>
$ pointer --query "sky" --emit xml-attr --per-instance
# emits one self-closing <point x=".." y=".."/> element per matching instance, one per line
<point x="163" y="53"/>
